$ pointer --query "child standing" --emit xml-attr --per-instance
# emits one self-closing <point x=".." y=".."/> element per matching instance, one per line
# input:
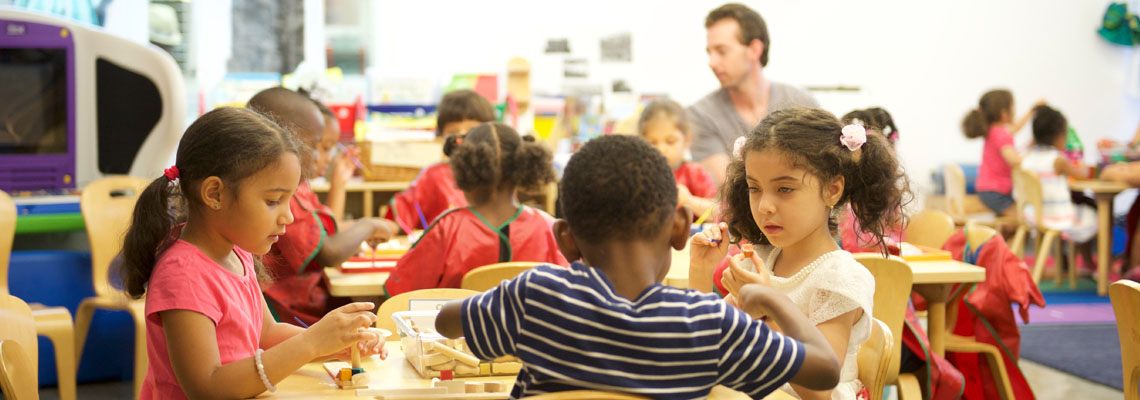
<point x="189" y="251"/>
<point x="665" y="125"/>
<point x="434" y="190"/>
<point x="491" y="163"/>
<point x="1047" y="160"/>
<point x="783" y="190"/>
<point x="993" y="119"/>
<point x="314" y="240"/>
<point x="607" y="323"/>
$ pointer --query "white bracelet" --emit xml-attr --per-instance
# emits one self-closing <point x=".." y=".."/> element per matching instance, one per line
<point x="261" y="371"/>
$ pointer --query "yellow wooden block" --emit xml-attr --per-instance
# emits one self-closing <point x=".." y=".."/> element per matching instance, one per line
<point x="485" y="369"/>
<point x="506" y="368"/>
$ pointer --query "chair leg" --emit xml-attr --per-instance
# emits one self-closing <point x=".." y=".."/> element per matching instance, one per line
<point x="83" y="316"/>
<point x="1058" y="259"/>
<point x="1073" y="270"/>
<point x="1042" y="252"/>
<point x="139" y="315"/>
<point x="56" y="325"/>
<point x="1001" y="376"/>
<point x="1017" y="243"/>
<point x="909" y="389"/>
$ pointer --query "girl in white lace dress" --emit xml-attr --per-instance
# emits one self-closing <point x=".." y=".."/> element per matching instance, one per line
<point x="786" y="183"/>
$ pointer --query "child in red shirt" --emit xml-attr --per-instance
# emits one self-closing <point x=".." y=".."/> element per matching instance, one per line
<point x="188" y="250"/>
<point x="665" y="125"/>
<point x="491" y="163"/>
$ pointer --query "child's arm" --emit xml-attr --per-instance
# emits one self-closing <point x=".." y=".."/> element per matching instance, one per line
<point x="837" y="331"/>
<point x="193" y="349"/>
<point x="698" y="204"/>
<point x="273" y="333"/>
<point x="820" y="370"/>
<point x="338" y="182"/>
<point x="1017" y="125"/>
<point x="1010" y="156"/>
<point x="344" y="244"/>
<point x="1066" y="168"/>
<point x="448" y="322"/>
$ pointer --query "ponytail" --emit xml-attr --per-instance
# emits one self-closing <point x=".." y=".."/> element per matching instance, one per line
<point x="876" y="188"/>
<point x="151" y="232"/>
<point x="494" y="155"/>
<point x="974" y="125"/>
<point x="977" y="122"/>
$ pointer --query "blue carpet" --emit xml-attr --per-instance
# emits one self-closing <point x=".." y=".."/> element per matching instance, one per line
<point x="1090" y="351"/>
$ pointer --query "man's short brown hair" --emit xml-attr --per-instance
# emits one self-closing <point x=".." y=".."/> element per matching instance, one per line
<point x="752" y="26"/>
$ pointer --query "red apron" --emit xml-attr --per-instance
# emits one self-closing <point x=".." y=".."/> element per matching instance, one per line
<point x="696" y="178"/>
<point x="433" y="191"/>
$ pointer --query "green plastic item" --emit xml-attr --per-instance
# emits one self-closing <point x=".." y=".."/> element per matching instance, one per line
<point x="47" y="223"/>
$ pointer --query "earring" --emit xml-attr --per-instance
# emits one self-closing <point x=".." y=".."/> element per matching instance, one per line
<point x="217" y="206"/>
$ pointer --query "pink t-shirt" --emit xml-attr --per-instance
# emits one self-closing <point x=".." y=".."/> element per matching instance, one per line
<point x="994" y="173"/>
<point x="186" y="279"/>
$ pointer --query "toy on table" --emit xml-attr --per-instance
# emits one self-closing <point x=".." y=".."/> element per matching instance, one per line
<point x="444" y="389"/>
<point x="914" y="252"/>
<point x="352" y="376"/>
<point x="433" y="355"/>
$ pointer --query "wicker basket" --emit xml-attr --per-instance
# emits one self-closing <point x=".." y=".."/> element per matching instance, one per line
<point x="403" y="170"/>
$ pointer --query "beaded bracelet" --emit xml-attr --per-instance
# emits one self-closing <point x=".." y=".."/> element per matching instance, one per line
<point x="261" y="371"/>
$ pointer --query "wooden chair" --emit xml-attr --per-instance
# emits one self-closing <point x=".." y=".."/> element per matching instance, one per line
<point x="1028" y="194"/>
<point x="15" y="368"/>
<point x="488" y="276"/>
<point x="586" y="395"/>
<point x="107" y="205"/>
<point x="929" y="228"/>
<point x="893" y="282"/>
<point x="19" y="375"/>
<point x="400" y="303"/>
<point x="53" y="323"/>
<point x="975" y="236"/>
<point x="1125" y="295"/>
<point x="875" y="357"/>
<point x="954" y="184"/>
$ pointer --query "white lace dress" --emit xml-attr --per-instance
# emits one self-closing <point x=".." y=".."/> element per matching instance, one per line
<point x="830" y="286"/>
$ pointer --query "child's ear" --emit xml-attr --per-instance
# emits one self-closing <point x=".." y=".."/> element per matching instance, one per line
<point x="682" y="221"/>
<point x="211" y="192"/>
<point x="833" y="191"/>
<point x="565" y="240"/>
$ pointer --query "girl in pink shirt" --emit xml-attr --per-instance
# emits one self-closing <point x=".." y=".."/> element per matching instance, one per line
<point x="188" y="250"/>
<point x="993" y="119"/>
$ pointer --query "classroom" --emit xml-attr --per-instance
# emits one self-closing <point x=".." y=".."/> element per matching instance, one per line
<point x="511" y="199"/>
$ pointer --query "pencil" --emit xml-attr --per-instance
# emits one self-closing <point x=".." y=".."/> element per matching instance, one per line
<point x="704" y="216"/>
<point x="344" y="149"/>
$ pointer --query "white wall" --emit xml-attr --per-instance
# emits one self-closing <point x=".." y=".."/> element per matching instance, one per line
<point x="925" y="62"/>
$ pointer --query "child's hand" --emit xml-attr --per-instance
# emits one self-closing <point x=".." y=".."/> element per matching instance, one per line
<point x="708" y="247"/>
<point x="684" y="196"/>
<point x="340" y="328"/>
<point x="374" y="344"/>
<point x="382" y="231"/>
<point x="343" y="169"/>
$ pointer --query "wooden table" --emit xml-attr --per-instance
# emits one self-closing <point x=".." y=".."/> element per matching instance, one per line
<point x="311" y="381"/>
<point x="933" y="280"/>
<point x="366" y="189"/>
<point x="1104" y="192"/>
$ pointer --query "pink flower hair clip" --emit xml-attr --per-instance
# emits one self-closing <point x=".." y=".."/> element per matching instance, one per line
<point x="853" y="136"/>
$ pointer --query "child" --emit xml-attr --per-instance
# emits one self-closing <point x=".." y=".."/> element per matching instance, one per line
<point x="490" y="164"/>
<point x="607" y="323"/>
<point x="1046" y="160"/>
<point x="434" y="190"/>
<point x="993" y="119"/>
<point x="851" y="236"/>
<point x="188" y="251"/>
<point x="782" y="190"/>
<point x="665" y="125"/>
<point x="298" y="292"/>
<point x="342" y="166"/>
<point x="875" y="118"/>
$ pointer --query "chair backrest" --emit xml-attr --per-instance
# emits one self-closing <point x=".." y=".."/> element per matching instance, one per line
<point x="7" y="235"/>
<point x="488" y="276"/>
<point x="107" y="205"/>
<point x="586" y="395"/>
<point x="976" y="235"/>
<point x="1125" y="295"/>
<point x="400" y="302"/>
<point x="954" y="185"/>
<point x="929" y="228"/>
<point x="1027" y="193"/>
<point x="17" y="373"/>
<point x="893" y="279"/>
<point x="875" y="358"/>
<point x="17" y="325"/>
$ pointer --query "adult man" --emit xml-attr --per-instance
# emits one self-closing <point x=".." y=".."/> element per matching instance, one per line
<point x="737" y="45"/>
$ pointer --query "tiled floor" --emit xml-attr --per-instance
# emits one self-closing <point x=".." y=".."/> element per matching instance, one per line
<point x="1047" y="384"/>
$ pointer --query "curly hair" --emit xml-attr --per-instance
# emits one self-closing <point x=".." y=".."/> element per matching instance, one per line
<point x="459" y="105"/>
<point x="874" y="183"/>
<point x="875" y="118"/>
<point x="494" y="155"/>
<point x="1048" y="123"/>
<point x="617" y="186"/>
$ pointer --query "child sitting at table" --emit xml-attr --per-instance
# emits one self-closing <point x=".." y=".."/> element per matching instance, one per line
<point x="434" y="190"/>
<point x="607" y="323"/>
<point x="298" y="292"/>
<point x="490" y="163"/>
<point x="665" y="125"/>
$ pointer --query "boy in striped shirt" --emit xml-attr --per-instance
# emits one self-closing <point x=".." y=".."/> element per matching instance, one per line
<point x="607" y="323"/>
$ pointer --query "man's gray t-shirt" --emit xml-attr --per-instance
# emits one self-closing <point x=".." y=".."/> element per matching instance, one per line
<point x="716" y="124"/>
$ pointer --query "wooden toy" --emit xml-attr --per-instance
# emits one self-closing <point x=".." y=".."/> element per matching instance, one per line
<point x="443" y="390"/>
<point x="342" y="374"/>
<point x="433" y="355"/>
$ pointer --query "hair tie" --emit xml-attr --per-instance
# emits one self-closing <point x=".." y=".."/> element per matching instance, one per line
<point x="738" y="146"/>
<point x="171" y="173"/>
<point x="853" y="136"/>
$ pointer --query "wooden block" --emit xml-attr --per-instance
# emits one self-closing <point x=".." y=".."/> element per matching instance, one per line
<point x="458" y="355"/>
<point x="473" y="387"/>
<point x="452" y="386"/>
<point x="506" y="359"/>
<point x="435" y="359"/>
<point x="397" y="392"/>
<point x="485" y="369"/>
<point x="446" y="375"/>
<point x="506" y="368"/>
<point x="494" y="387"/>
<point x="450" y="364"/>
<point x="334" y="367"/>
<point x="464" y="369"/>
<point x="355" y="351"/>
<point x="361" y="379"/>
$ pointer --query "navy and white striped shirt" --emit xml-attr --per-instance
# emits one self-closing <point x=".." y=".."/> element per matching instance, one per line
<point x="571" y="331"/>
